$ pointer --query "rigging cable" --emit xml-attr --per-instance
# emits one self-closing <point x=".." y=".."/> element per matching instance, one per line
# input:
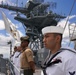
<point x="69" y="15"/>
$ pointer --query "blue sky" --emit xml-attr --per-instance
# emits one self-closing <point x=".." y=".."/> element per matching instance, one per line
<point x="63" y="8"/>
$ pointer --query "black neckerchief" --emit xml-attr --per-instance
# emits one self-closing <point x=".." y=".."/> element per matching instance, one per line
<point x="44" y="66"/>
<point x="18" y="55"/>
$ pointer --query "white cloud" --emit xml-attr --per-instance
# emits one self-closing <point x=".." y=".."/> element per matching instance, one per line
<point x="20" y="33"/>
<point x="5" y="51"/>
<point x="66" y="22"/>
<point x="4" y="39"/>
<point x="18" y="25"/>
<point x="2" y="25"/>
<point x="7" y="2"/>
<point x="5" y="47"/>
<point x="62" y="23"/>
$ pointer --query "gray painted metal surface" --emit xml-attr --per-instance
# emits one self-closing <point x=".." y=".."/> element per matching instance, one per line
<point x="3" y="68"/>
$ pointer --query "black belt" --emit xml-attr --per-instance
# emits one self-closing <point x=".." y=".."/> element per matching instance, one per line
<point x="25" y="68"/>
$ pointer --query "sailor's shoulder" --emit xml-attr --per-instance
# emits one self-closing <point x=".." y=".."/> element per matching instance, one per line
<point x="67" y="55"/>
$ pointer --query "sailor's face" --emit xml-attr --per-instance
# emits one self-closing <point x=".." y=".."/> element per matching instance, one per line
<point x="19" y="48"/>
<point x="49" y="41"/>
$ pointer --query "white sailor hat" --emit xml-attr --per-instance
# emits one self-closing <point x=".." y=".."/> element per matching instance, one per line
<point x="17" y="44"/>
<point x="52" y="29"/>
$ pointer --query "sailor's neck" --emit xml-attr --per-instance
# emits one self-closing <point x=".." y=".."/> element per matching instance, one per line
<point x="54" y="50"/>
<point x="25" y="48"/>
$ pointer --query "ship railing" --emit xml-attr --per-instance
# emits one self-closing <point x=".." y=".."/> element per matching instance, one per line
<point x="13" y="69"/>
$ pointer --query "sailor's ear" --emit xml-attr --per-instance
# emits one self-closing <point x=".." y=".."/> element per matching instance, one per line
<point x="58" y="37"/>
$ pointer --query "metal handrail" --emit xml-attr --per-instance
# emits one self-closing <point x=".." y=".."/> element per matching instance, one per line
<point x="13" y="67"/>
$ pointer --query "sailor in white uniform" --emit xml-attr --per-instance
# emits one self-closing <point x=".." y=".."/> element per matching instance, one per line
<point x="16" y="59"/>
<point x="61" y="61"/>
